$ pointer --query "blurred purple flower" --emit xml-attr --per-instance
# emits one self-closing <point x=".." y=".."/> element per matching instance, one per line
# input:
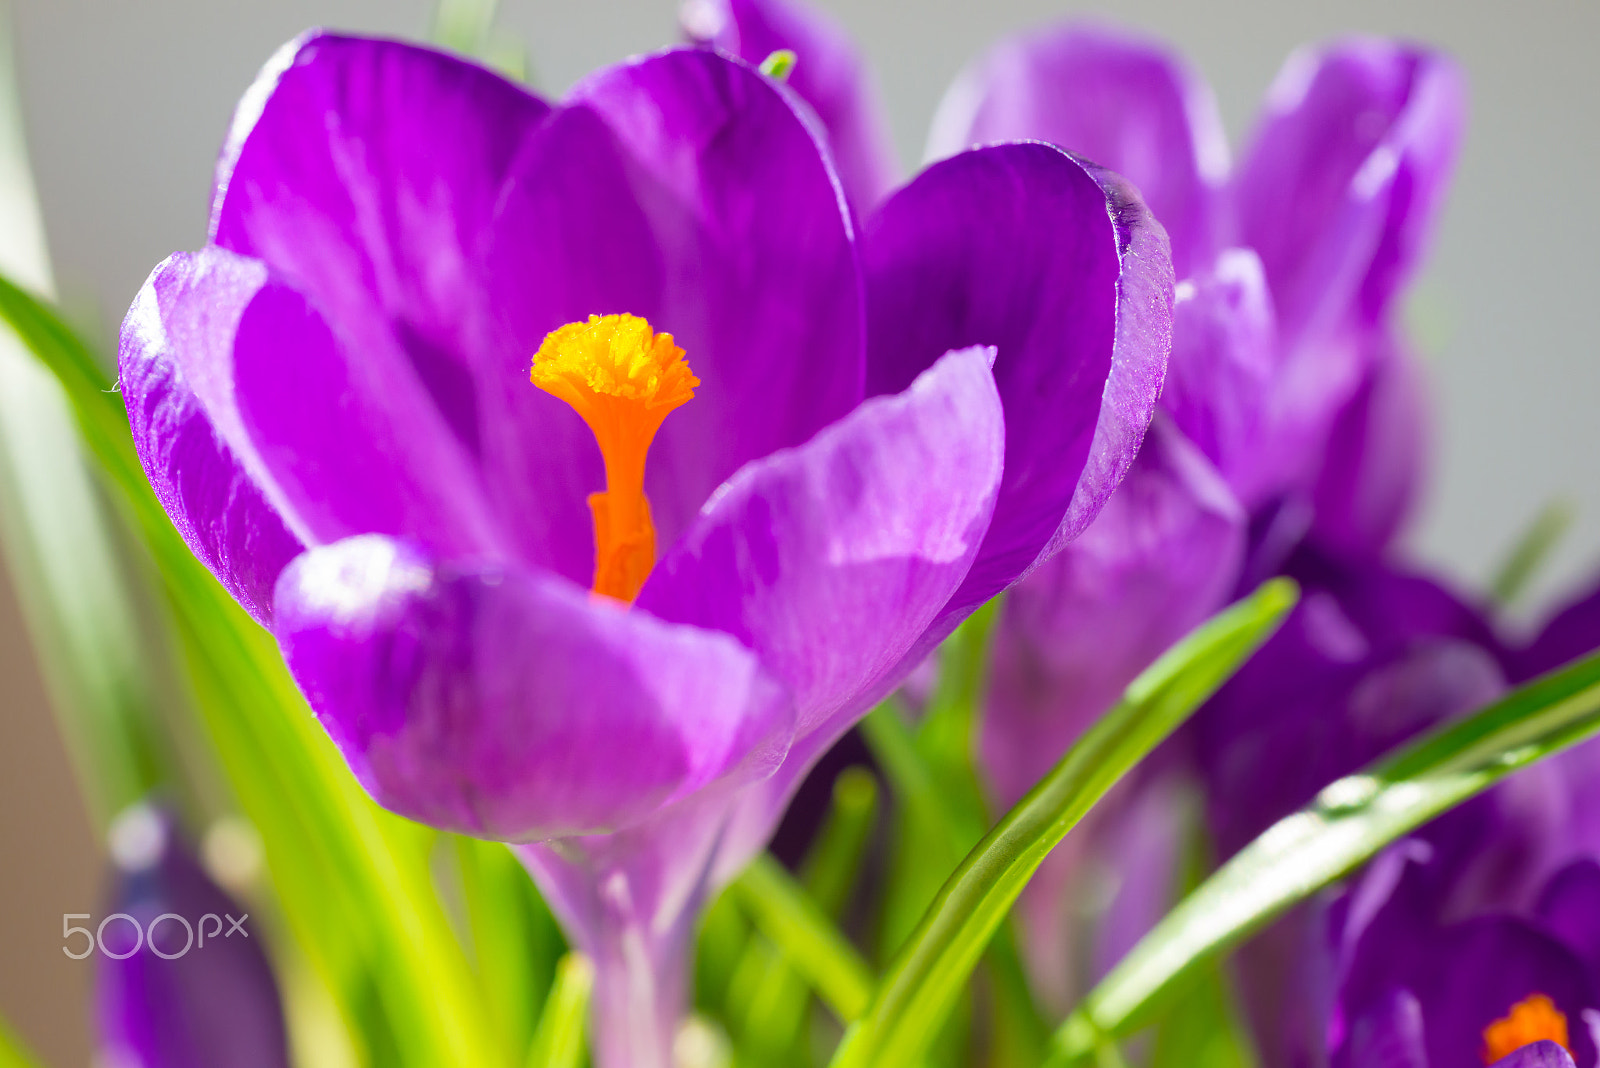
<point x="887" y="428"/>
<point x="1288" y="370"/>
<point x="188" y="990"/>
<point x="1407" y="974"/>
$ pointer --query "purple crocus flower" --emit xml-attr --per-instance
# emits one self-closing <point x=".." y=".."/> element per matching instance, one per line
<point x="1288" y="370"/>
<point x="1483" y="929"/>
<point x="879" y="430"/>
<point x="1431" y="990"/>
<point x="188" y="990"/>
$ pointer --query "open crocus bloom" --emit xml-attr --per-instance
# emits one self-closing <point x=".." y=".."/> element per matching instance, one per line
<point x="764" y="463"/>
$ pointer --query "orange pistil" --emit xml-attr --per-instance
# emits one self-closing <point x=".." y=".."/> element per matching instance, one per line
<point x="1530" y="1020"/>
<point x="623" y="379"/>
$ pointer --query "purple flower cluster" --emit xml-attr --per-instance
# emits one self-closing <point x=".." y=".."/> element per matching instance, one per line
<point x="790" y="421"/>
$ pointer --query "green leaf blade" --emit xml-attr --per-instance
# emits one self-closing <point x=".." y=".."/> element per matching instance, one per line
<point x="929" y="973"/>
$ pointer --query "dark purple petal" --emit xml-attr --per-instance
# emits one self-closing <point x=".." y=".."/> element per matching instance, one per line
<point x="1160" y="557"/>
<point x="1387" y="1036"/>
<point x="1223" y="367"/>
<point x="1572" y="632"/>
<point x="828" y="75"/>
<point x="1117" y="98"/>
<point x="1537" y="1055"/>
<point x="175" y="369"/>
<point x="1060" y="267"/>
<point x="190" y="996"/>
<point x="1570" y="909"/>
<point x="1346" y="173"/>
<point x="1373" y="468"/>
<point x="831" y="560"/>
<point x="510" y="704"/>
<point x="684" y="188"/>
<point x="1474" y="972"/>
<point x="1368" y="658"/>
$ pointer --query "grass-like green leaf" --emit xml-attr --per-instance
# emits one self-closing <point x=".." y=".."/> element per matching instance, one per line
<point x="58" y="543"/>
<point x="1350" y="821"/>
<point x="559" y="1040"/>
<point x="911" y="1003"/>
<point x="1532" y="549"/>
<point x="770" y="1022"/>
<point x="781" y="910"/>
<point x="13" y="1054"/>
<point x="353" y="881"/>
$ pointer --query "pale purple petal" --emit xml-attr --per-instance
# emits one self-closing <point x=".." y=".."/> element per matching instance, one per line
<point x="1119" y="99"/>
<point x="1543" y="1054"/>
<point x="175" y="370"/>
<point x="1060" y="267"/>
<point x="828" y="75"/>
<point x="832" y="560"/>
<point x="630" y="901"/>
<point x="684" y="188"/>
<point x="1161" y="557"/>
<point x="1225" y="360"/>
<point x="510" y="704"/>
<point x="1347" y="170"/>
<point x="1373" y="468"/>
<point x="347" y="455"/>
<point x="367" y="173"/>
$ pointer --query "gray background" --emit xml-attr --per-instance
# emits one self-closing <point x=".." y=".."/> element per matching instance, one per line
<point x="126" y="102"/>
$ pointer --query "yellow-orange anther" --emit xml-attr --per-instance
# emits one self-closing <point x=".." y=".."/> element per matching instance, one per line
<point x="1530" y="1020"/>
<point x="623" y="379"/>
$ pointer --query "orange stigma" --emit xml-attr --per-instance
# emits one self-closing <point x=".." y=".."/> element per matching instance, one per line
<point x="1533" y="1019"/>
<point x="623" y="379"/>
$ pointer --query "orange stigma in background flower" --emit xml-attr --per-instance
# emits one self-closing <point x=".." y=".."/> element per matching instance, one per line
<point x="1530" y="1020"/>
<point x="623" y="379"/>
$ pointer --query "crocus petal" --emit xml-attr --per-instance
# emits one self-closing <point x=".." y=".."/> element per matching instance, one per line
<point x="181" y="994"/>
<point x="1387" y="1036"/>
<point x="1059" y="266"/>
<point x="1373" y="467"/>
<point x="1368" y="658"/>
<point x="1346" y="173"/>
<point x="1224" y="358"/>
<point x="687" y="189"/>
<point x="828" y="75"/>
<point x="175" y="368"/>
<point x="1543" y="1054"/>
<point x="337" y="175"/>
<point x="1116" y="98"/>
<point x="1570" y="633"/>
<point x="831" y="560"/>
<point x="510" y="704"/>
<point x="1477" y="970"/>
<point x="1162" y="555"/>
<point x="1570" y="909"/>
